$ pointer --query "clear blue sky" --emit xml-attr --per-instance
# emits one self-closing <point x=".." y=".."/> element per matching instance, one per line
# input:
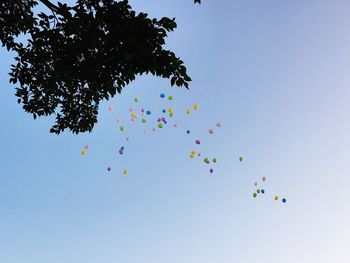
<point x="275" y="73"/>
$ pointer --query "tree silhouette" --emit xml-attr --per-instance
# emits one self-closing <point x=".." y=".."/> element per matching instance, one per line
<point x="73" y="57"/>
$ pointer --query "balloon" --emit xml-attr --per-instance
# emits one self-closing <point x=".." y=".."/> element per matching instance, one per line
<point x="143" y="120"/>
<point x="218" y="125"/>
<point x="125" y="172"/>
<point x="171" y="114"/>
<point x="110" y="108"/>
<point x="170" y="98"/>
<point x="214" y="160"/>
<point x="122" y="147"/>
<point x="160" y="125"/>
<point x="142" y="110"/>
<point x="188" y="111"/>
<point x="148" y="112"/>
<point x="121" y="128"/>
<point x="206" y="160"/>
<point x="263" y="178"/>
<point x="170" y="110"/>
<point x="211" y="170"/>
<point x="211" y="131"/>
<point x="154" y="129"/>
<point x="118" y="119"/>
<point x="87" y="146"/>
<point x="188" y="132"/>
<point x="199" y="154"/>
<point x="164" y="111"/>
<point x="241" y="159"/>
<point x="109" y="169"/>
<point x="258" y="191"/>
<point x="131" y="109"/>
<point x="175" y="125"/>
<point x="262" y="191"/>
<point x="159" y="120"/>
<point x="193" y="153"/>
<point x="83" y="152"/>
<point x="198" y="142"/>
<point x="254" y="195"/>
<point x="284" y="200"/>
<point x="195" y="106"/>
<point x="136" y="100"/>
<point x="276" y="197"/>
<point x="120" y="151"/>
<point x="127" y="138"/>
<point x="162" y="95"/>
<point x="255" y="184"/>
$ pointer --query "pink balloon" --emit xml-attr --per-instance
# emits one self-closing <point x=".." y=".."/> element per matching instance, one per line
<point x="211" y="131"/>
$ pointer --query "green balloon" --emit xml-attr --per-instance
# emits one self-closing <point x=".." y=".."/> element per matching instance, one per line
<point x="143" y="120"/>
<point x="241" y="159"/>
<point x="258" y="191"/>
<point x="254" y="195"/>
<point x="214" y="160"/>
<point x="160" y="125"/>
<point x="121" y="128"/>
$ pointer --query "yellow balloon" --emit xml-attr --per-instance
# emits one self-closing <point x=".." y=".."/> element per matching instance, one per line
<point x="125" y="171"/>
<point x="188" y="111"/>
<point x="83" y="152"/>
<point x="170" y="110"/>
<point x="195" y="106"/>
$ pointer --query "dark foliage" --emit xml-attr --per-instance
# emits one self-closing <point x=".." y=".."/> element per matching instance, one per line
<point x="78" y="55"/>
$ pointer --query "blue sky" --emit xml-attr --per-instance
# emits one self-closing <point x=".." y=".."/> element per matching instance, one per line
<point x="274" y="73"/>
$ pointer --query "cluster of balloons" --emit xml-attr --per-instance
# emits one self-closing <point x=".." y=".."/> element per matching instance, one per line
<point x="262" y="191"/>
<point x="161" y="121"/>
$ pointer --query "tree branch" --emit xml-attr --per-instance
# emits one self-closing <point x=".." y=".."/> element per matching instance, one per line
<point x="50" y="5"/>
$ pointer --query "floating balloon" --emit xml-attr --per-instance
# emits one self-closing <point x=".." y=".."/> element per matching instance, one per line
<point x="188" y="132"/>
<point x="263" y="178"/>
<point x="211" y="170"/>
<point x="187" y="111"/>
<point x="214" y="160"/>
<point x="160" y="126"/>
<point x="127" y="138"/>
<point x="170" y="98"/>
<point x="170" y="110"/>
<point x="211" y="131"/>
<point x="175" y="125"/>
<point x="284" y="200"/>
<point x="255" y="184"/>
<point x="110" y="108"/>
<point x="120" y="151"/>
<point x="121" y="128"/>
<point x="198" y="142"/>
<point x="118" y="119"/>
<point x="218" y="125"/>
<point x="154" y="129"/>
<point x="143" y="120"/>
<point x="148" y="112"/>
<point x="171" y="114"/>
<point x="136" y="100"/>
<point x="258" y="191"/>
<point x="162" y="95"/>
<point x="125" y="172"/>
<point x="254" y="195"/>
<point x="195" y="106"/>
<point x="131" y="109"/>
<point x="241" y="159"/>
<point x="199" y="154"/>
<point x="206" y="160"/>
<point x="276" y="197"/>
<point x="87" y="146"/>
<point x="262" y="191"/>
<point x="109" y="169"/>
<point x="83" y="152"/>
<point x="164" y="111"/>
<point x="193" y="152"/>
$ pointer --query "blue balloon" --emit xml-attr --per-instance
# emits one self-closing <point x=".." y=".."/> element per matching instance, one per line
<point x="284" y="200"/>
<point x="188" y="132"/>
<point x="162" y="95"/>
<point x="262" y="191"/>
<point x="148" y="112"/>
<point x="164" y="111"/>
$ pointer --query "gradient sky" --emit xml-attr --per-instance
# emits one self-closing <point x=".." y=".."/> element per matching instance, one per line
<point x="275" y="73"/>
